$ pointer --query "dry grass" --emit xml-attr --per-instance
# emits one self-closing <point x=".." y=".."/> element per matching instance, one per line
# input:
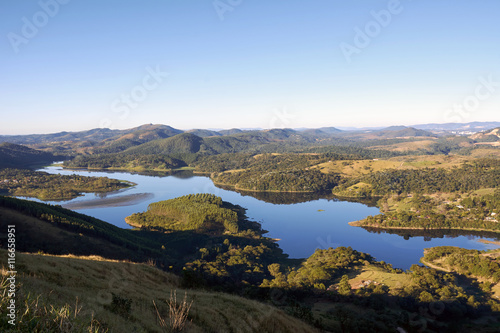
<point x="486" y="152"/>
<point x="407" y="146"/>
<point x="61" y="280"/>
<point x="392" y="280"/>
<point x="177" y="314"/>
<point x="355" y="168"/>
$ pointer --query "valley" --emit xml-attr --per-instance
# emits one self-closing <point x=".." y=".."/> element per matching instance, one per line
<point x="325" y="229"/>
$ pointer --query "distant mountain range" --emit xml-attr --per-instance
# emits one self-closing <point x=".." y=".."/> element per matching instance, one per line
<point x="446" y="128"/>
<point x="163" y="139"/>
<point x="459" y="128"/>
<point x="151" y="132"/>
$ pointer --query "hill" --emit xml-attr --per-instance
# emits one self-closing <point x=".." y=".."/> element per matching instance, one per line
<point x="401" y="131"/>
<point x="184" y="143"/>
<point x="96" y="134"/>
<point x="337" y="289"/>
<point x="205" y="212"/>
<point x="388" y="133"/>
<point x="490" y="137"/>
<point x="231" y="131"/>
<point x="45" y="186"/>
<point x="17" y="156"/>
<point x="203" y="133"/>
<point x="138" y="136"/>
<point x="55" y="230"/>
<point x="459" y="128"/>
<point x="117" y="296"/>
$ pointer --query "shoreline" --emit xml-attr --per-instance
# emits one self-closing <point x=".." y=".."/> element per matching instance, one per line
<point x="127" y="170"/>
<point x="358" y="224"/>
<point x="258" y="191"/>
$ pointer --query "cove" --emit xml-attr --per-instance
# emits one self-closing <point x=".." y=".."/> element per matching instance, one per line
<point x="301" y="222"/>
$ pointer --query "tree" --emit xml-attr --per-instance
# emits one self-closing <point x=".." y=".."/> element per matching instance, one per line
<point x="344" y="286"/>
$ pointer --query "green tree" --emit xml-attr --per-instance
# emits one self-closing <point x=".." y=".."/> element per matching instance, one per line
<point x="344" y="286"/>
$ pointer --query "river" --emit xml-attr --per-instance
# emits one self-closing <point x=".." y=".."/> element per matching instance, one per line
<point x="302" y="223"/>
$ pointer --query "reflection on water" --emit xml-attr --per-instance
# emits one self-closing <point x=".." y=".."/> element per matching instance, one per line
<point x="104" y="201"/>
<point x="302" y="221"/>
<point x="429" y="234"/>
<point x="287" y="198"/>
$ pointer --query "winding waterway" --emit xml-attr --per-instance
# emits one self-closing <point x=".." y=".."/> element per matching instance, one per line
<point x="302" y="223"/>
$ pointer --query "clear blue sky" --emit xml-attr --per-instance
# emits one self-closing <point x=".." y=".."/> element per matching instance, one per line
<point x="246" y="63"/>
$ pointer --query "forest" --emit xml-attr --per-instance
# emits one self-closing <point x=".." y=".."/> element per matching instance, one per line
<point x="473" y="263"/>
<point x="473" y="175"/>
<point x="125" y="162"/>
<point x="426" y="212"/>
<point x="205" y="212"/>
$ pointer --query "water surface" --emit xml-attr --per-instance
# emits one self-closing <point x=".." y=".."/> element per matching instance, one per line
<point x="301" y="225"/>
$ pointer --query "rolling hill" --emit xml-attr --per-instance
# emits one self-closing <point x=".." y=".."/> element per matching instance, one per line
<point x="491" y="137"/>
<point x="184" y="143"/>
<point x="117" y="296"/>
<point x="17" y="156"/>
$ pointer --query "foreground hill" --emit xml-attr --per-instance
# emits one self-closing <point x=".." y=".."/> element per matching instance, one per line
<point x="336" y="289"/>
<point x="56" y="292"/>
<point x="17" y="156"/>
<point x="55" y="230"/>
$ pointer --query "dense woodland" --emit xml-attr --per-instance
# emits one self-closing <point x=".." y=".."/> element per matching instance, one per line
<point x="79" y="223"/>
<point x="205" y="212"/>
<point x="126" y="162"/>
<point x="476" y="213"/>
<point x="17" y="156"/>
<point x="279" y="181"/>
<point x="477" y="174"/>
<point x="467" y="262"/>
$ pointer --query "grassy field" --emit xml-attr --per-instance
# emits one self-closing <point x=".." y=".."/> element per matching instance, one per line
<point x="119" y="296"/>
<point x="381" y="276"/>
<point x="354" y="168"/>
<point x="407" y="146"/>
<point x="486" y="152"/>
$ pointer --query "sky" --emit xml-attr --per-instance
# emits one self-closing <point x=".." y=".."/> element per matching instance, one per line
<point x="71" y="65"/>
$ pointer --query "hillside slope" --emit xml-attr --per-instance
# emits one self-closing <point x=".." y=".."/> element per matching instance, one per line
<point x="119" y="296"/>
<point x="17" y="156"/>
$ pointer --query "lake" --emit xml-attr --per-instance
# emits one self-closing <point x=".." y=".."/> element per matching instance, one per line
<point x="301" y="222"/>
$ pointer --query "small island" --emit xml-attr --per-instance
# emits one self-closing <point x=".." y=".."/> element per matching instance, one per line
<point x="44" y="186"/>
<point x="202" y="212"/>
